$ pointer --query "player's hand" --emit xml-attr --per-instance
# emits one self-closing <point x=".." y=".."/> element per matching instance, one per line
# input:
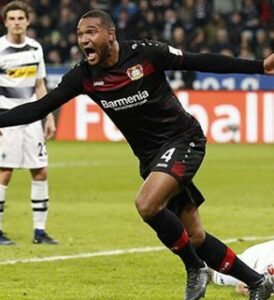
<point x="269" y="65"/>
<point x="49" y="127"/>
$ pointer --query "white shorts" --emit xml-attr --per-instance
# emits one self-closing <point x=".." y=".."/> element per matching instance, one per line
<point x="23" y="147"/>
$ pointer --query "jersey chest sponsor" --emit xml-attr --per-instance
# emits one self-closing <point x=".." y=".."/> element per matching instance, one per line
<point x="22" y="72"/>
<point x="140" y="98"/>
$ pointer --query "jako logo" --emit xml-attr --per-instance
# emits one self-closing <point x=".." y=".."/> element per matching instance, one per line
<point x="98" y="83"/>
<point x="127" y="102"/>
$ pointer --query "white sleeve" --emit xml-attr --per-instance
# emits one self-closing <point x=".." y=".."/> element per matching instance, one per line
<point x="259" y="257"/>
<point x="41" y="71"/>
<point x="222" y="279"/>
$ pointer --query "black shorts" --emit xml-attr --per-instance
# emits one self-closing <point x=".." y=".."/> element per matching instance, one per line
<point x="180" y="160"/>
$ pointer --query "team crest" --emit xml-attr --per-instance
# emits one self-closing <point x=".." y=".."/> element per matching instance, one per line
<point x="135" y="73"/>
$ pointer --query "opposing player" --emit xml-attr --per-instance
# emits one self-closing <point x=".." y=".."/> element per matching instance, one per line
<point x="127" y="80"/>
<point x="259" y="257"/>
<point x="22" y="73"/>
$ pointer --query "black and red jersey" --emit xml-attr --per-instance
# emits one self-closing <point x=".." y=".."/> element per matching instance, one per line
<point x="135" y="94"/>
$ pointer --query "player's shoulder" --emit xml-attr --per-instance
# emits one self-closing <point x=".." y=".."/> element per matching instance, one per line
<point x="77" y="70"/>
<point x="33" y="43"/>
<point x="3" y="42"/>
<point x="143" y="45"/>
<point x="81" y="65"/>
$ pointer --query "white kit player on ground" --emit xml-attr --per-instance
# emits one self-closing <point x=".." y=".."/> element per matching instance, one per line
<point x="260" y="257"/>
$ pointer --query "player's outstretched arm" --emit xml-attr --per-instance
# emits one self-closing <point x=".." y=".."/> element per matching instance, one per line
<point x="217" y="63"/>
<point x="33" y="111"/>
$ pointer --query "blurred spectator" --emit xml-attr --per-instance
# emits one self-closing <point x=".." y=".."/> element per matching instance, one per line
<point x="45" y="27"/>
<point x="222" y="41"/>
<point x="215" y="23"/>
<point x="251" y="15"/>
<point x="75" y="55"/>
<point x="171" y="21"/>
<point x="178" y="38"/>
<point x="187" y="15"/>
<point x="32" y="33"/>
<point x="266" y="11"/>
<point x="261" y="42"/>
<point x="198" y="41"/>
<point x="246" y="39"/>
<point x="236" y="27"/>
<point x="266" y="52"/>
<point x="180" y="79"/>
<point x="125" y="26"/>
<point x="271" y="38"/>
<point x="202" y="12"/>
<point x="67" y="21"/>
<point x="54" y="58"/>
<point x="43" y="6"/>
<point x="227" y="7"/>
<point x="246" y="53"/>
<point x="125" y="5"/>
<point x="148" y="26"/>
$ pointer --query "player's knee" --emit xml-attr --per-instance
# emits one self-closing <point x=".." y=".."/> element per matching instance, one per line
<point x="146" y="207"/>
<point x="197" y="236"/>
<point x="5" y="176"/>
<point x="39" y="174"/>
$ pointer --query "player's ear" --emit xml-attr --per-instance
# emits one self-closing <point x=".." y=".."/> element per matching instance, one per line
<point x="112" y="36"/>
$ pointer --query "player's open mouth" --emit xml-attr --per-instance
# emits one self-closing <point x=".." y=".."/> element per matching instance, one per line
<point x="90" y="53"/>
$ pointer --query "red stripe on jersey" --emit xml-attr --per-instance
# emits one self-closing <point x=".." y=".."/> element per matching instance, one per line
<point x="148" y="67"/>
<point x="181" y="242"/>
<point x="178" y="169"/>
<point x="115" y="81"/>
<point x="227" y="262"/>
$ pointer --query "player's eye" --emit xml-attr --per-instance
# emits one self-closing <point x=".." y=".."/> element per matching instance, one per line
<point x="91" y="32"/>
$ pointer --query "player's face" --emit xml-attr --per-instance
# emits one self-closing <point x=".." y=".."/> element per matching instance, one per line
<point x="16" y="22"/>
<point x="95" y="40"/>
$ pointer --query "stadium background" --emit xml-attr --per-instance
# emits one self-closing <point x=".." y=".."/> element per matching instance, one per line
<point x="92" y="185"/>
<point x="240" y="28"/>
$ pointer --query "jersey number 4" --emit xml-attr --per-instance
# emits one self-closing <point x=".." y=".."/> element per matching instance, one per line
<point x="168" y="155"/>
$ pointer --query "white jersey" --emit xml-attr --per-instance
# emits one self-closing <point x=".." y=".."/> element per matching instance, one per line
<point x="20" y="66"/>
<point x="259" y="257"/>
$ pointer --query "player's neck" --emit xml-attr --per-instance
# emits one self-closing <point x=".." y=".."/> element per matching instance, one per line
<point x="113" y="56"/>
<point x="16" y="38"/>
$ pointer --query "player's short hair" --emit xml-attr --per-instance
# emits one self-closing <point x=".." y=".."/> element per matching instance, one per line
<point x="106" y="19"/>
<point x="16" y="5"/>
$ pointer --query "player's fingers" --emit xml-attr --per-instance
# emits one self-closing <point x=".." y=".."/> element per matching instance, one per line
<point x="49" y="134"/>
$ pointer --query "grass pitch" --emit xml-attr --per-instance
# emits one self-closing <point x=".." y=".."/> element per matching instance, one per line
<point x="92" y="190"/>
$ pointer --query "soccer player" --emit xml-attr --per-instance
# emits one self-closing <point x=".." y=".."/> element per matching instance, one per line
<point x="127" y="80"/>
<point x="22" y="73"/>
<point x="259" y="257"/>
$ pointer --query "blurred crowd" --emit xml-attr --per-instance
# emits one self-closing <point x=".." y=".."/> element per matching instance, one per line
<point x="242" y="28"/>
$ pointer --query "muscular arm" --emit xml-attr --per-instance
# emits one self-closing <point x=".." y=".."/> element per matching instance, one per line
<point x="34" y="111"/>
<point x="217" y="63"/>
<point x="69" y="87"/>
<point x="40" y="88"/>
<point x="165" y="57"/>
<point x="49" y="126"/>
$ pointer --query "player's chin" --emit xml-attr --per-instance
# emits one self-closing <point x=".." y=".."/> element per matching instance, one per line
<point x="93" y="61"/>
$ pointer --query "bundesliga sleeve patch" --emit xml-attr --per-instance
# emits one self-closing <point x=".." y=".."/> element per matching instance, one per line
<point x="175" y="51"/>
